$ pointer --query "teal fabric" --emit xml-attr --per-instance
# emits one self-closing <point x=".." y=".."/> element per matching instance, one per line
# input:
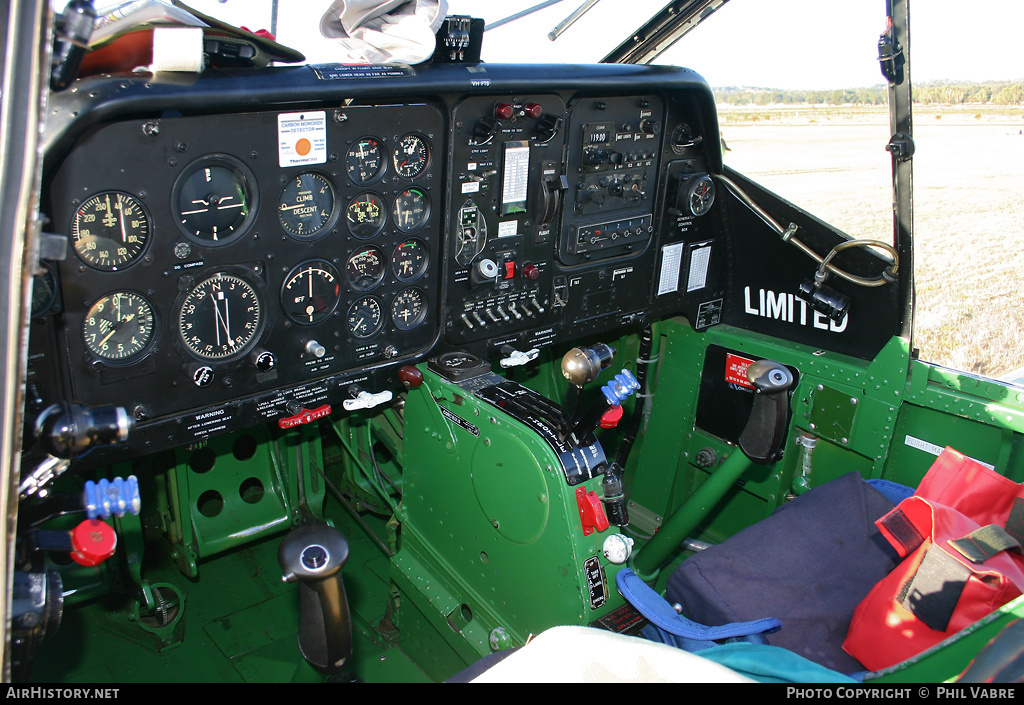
<point x="772" y="664"/>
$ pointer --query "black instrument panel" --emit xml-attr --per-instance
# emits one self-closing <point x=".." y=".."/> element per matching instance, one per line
<point x="264" y="264"/>
<point x="216" y="257"/>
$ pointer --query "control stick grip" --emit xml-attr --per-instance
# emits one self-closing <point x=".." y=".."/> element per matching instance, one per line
<point x="313" y="555"/>
<point x="765" y="431"/>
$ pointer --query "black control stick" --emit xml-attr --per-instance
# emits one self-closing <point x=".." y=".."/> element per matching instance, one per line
<point x="313" y="555"/>
<point x="765" y="431"/>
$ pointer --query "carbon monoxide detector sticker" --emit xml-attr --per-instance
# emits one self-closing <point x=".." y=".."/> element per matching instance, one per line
<point x="302" y="138"/>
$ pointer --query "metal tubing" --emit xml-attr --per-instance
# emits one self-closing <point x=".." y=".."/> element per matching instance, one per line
<point x="648" y="561"/>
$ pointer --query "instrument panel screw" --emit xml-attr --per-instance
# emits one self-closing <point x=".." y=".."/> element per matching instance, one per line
<point x="340" y="116"/>
<point x="151" y="129"/>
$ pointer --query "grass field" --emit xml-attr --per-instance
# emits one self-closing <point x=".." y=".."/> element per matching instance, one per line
<point x="968" y="208"/>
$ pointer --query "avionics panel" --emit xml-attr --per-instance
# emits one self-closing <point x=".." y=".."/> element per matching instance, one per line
<point x="553" y="216"/>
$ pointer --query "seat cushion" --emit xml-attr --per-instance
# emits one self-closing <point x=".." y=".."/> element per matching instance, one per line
<point x="808" y="565"/>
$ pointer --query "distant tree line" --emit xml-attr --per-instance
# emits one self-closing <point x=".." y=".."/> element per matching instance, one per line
<point x="944" y="92"/>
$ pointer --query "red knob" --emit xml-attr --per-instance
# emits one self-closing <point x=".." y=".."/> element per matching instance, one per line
<point x="531" y="272"/>
<point x="533" y="110"/>
<point x="410" y="376"/>
<point x="504" y="111"/>
<point x="93" y="541"/>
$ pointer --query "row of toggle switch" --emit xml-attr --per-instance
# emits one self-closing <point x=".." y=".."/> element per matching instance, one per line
<point x="503" y="313"/>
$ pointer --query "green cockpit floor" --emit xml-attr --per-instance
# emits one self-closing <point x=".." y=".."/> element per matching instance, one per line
<point x="240" y="624"/>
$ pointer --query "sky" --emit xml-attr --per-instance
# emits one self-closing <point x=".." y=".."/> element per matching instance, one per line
<point x="789" y="44"/>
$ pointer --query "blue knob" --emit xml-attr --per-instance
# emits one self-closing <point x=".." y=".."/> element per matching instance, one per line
<point x="109" y="497"/>
<point x="619" y="388"/>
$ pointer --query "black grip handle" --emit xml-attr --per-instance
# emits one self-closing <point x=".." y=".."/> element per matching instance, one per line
<point x="765" y="431"/>
<point x="313" y="555"/>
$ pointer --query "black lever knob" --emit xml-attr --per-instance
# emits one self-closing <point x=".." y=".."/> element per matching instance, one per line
<point x="313" y="555"/>
<point x="765" y="431"/>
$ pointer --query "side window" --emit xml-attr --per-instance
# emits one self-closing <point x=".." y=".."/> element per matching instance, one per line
<point x="803" y="112"/>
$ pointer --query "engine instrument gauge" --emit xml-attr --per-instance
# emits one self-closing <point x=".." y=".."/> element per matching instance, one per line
<point x="365" y="268"/>
<point x="221" y="317"/>
<point x="366" y="215"/>
<point x="365" y="317"/>
<point x="110" y="231"/>
<point x="409" y="309"/>
<point x="306" y="206"/>
<point x="214" y="200"/>
<point x="365" y="161"/>
<point x="410" y="260"/>
<point x="410" y="210"/>
<point x="119" y="327"/>
<point x="701" y="195"/>
<point x="311" y="292"/>
<point x="411" y="156"/>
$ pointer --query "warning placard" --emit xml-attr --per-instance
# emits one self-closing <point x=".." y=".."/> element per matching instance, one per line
<point x="736" y="370"/>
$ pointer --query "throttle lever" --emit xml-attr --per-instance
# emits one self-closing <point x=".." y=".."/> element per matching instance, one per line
<point x="765" y="431"/>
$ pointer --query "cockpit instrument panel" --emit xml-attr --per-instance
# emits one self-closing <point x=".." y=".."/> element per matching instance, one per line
<point x="243" y="257"/>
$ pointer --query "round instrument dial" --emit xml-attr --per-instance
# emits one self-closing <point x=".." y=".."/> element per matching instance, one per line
<point x="366" y="215"/>
<point x="410" y="260"/>
<point x="365" y="317"/>
<point x="119" y="326"/>
<point x="214" y="200"/>
<point x="410" y="209"/>
<point x="412" y="156"/>
<point x="409" y="309"/>
<point x="365" y="268"/>
<point x="311" y="292"/>
<point x="221" y="317"/>
<point x="306" y="206"/>
<point x="365" y="161"/>
<point x="701" y="195"/>
<point x="110" y="231"/>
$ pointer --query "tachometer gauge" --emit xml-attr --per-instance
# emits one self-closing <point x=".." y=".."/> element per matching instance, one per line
<point x="306" y="206"/>
<point x="365" y="317"/>
<point x="409" y="309"/>
<point x="221" y="317"/>
<point x="411" y="156"/>
<point x="110" y="230"/>
<point x="410" y="210"/>
<point x="214" y="200"/>
<point x="365" y="161"/>
<point x="311" y="292"/>
<point x="119" y="326"/>
<point x="701" y="195"/>
<point x="410" y="260"/>
<point x="365" y="268"/>
<point x="366" y="215"/>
